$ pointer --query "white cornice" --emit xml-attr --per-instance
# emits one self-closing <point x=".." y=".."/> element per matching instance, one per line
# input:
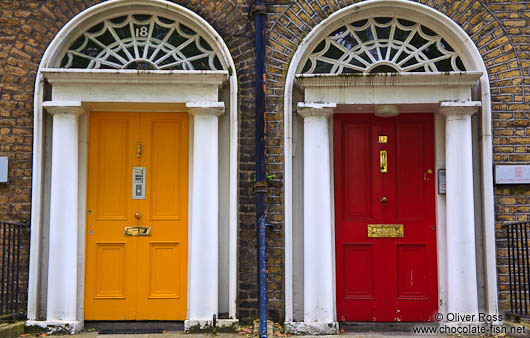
<point x="206" y="108"/>
<point x="313" y="109"/>
<point x="129" y="76"/>
<point x="64" y="107"/>
<point x="447" y="79"/>
<point x="459" y="108"/>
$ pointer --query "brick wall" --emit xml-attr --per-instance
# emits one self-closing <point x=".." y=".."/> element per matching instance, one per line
<point x="500" y="29"/>
<point x="18" y="64"/>
<point x="26" y="29"/>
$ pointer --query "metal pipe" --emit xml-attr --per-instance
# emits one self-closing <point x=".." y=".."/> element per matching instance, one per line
<point x="19" y="233"/>
<point x="518" y="253"/>
<point x="526" y="228"/>
<point x="509" y="238"/>
<point x="259" y="10"/>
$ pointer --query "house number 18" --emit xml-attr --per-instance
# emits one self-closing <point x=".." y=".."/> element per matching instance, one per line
<point x="141" y="32"/>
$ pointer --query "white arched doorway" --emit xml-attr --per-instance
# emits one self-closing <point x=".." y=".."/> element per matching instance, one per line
<point x="366" y="58"/>
<point x="139" y="57"/>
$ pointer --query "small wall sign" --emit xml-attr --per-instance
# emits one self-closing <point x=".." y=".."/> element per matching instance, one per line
<point x="512" y="174"/>
<point x="3" y="169"/>
<point x="441" y="181"/>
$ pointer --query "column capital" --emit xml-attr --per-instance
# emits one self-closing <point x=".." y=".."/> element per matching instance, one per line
<point x="313" y="109"/>
<point x="211" y="108"/>
<point x="64" y="107"/>
<point x="459" y="108"/>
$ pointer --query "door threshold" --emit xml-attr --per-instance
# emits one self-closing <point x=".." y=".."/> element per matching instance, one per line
<point x="133" y="327"/>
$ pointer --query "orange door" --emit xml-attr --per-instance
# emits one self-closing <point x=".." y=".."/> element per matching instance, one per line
<point x="132" y="275"/>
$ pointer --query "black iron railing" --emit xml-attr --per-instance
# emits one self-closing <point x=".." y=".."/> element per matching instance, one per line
<point x="14" y="239"/>
<point x="518" y="235"/>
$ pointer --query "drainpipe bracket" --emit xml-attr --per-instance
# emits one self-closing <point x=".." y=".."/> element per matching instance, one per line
<point x="257" y="8"/>
<point x="261" y="187"/>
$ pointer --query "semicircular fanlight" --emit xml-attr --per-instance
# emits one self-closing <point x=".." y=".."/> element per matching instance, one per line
<point x="138" y="41"/>
<point x="382" y="45"/>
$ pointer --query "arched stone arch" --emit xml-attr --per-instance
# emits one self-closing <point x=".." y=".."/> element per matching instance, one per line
<point x="481" y="24"/>
<point x="205" y="99"/>
<point x="289" y="30"/>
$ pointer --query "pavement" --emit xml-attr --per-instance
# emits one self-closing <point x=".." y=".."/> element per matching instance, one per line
<point x="246" y="332"/>
<point x="232" y="335"/>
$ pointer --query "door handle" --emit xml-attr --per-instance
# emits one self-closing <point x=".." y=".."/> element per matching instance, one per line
<point x="383" y="161"/>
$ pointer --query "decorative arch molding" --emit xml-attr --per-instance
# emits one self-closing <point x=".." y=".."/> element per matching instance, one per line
<point x="90" y="19"/>
<point x="190" y="87"/>
<point x="382" y="45"/>
<point x="472" y="61"/>
<point x="140" y="41"/>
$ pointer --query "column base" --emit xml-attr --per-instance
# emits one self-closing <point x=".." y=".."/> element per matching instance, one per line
<point x="57" y="327"/>
<point x="222" y="325"/>
<point x="316" y="328"/>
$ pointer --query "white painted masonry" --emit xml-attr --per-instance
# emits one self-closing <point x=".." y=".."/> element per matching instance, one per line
<point x="62" y="265"/>
<point x="395" y="89"/>
<point x="204" y="261"/>
<point x="410" y="93"/>
<point x="461" y="260"/>
<point x="318" y="239"/>
<point x="413" y="93"/>
<point x="123" y="90"/>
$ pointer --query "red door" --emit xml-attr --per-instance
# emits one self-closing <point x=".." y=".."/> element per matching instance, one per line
<point x="384" y="180"/>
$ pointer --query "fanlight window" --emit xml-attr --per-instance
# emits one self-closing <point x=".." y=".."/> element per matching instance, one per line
<point x="382" y="45"/>
<point x="138" y="41"/>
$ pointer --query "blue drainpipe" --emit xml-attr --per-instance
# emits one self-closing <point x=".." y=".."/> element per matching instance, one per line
<point x="259" y="10"/>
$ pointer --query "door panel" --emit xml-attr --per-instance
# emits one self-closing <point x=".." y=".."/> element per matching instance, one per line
<point x="113" y="143"/>
<point x="357" y="185"/>
<point x="109" y="255"/>
<point x="167" y="163"/>
<point x="163" y="282"/>
<point x="137" y="277"/>
<point x="385" y="278"/>
<point x="410" y="188"/>
<point x="412" y="269"/>
<point x="362" y="256"/>
<point x="110" y="271"/>
<point x="162" y="275"/>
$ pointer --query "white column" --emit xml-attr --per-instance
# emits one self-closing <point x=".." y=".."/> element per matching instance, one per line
<point x="318" y="241"/>
<point x="461" y="254"/>
<point x="62" y="263"/>
<point x="203" y="298"/>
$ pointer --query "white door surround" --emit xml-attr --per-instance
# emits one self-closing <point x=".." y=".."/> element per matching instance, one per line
<point x="62" y="272"/>
<point x="449" y="97"/>
<point x="69" y="95"/>
<point x="460" y="222"/>
<point x="318" y="239"/>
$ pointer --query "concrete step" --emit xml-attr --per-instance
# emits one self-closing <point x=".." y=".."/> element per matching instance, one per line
<point x="11" y="330"/>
